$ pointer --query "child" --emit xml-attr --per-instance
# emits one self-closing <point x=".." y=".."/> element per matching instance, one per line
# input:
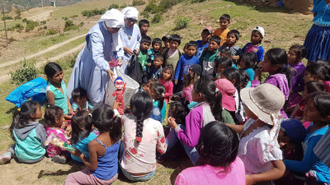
<point x="209" y="56"/>
<point x="244" y="78"/>
<point x="149" y="88"/>
<point x="227" y="90"/>
<point x="102" y="165"/>
<point x="156" y="47"/>
<point x="142" y="136"/>
<point x="275" y="63"/>
<point x="317" y="72"/>
<point x="166" y="80"/>
<point x="223" y="30"/>
<point x="221" y="65"/>
<point x="157" y="93"/>
<point x="189" y="80"/>
<point x="178" y="112"/>
<point x="54" y="121"/>
<point x="225" y="52"/>
<point x="258" y="33"/>
<point x="80" y="102"/>
<point x="295" y="55"/>
<point x="184" y="63"/>
<point x="144" y="27"/>
<point x="217" y="147"/>
<point x="247" y="62"/>
<point x="258" y="147"/>
<point x="173" y="54"/>
<point x="29" y="135"/>
<point x="232" y="38"/>
<point x="318" y="112"/>
<point x="56" y="89"/>
<point x="208" y="109"/>
<point x="143" y="55"/>
<point x="81" y="135"/>
<point x="204" y="43"/>
<point x="156" y="69"/>
<point x="185" y="50"/>
<point x="166" y="41"/>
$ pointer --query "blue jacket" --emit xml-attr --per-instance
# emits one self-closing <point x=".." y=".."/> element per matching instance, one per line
<point x="183" y="66"/>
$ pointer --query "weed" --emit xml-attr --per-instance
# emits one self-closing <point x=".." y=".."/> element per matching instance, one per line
<point x="7" y="17"/>
<point x="45" y="27"/>
<point x="81" y="24"/>
<point x="30" y="25"/>
<point x="27" y="73"/>
<point x="74" y="16"/>
<point x="42" y="22"/>
<point x="157" y="18"/>
<point x="123" y="6"/>
<point x="181" y="22"/>
<point x="51" y="32"/>
<point x="24" y="20"/>
<point x="90" y="13"/>
<point x="145" y="14"/>
<point x="151" y="8"/>
<point x="113" y="6"/>
<point x="70" y="26"/>
<point x="138" y="3"/>
<point x="65" y="18"/>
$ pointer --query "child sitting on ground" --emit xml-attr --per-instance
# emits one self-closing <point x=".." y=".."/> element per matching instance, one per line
<point x="228" y="91"/>
<point x="204" y="43"/>
<point x="166" y="80"/>
<point x="157" y="93"/>
<point x="220" y="65"/>
<point x="232" y="38"/>
<point x="247" y="62"/>
<point x="209" y="56"/>
<point x="144" y="27"/>
<point x="173" y="54"/>
<point x="258" y="33"/>
<point x="217" y="147"/>
<point x="80" y="102"/>
<point x="184" y="63"/>
<point x="223" y="30"/>
<point x="244" y="78"/>
<point x="102" y="165"/>
<point x="156" y="69"/>
<point x="54" y="121"/>
<point x="56" y="89"/>
<point x="189" y="80"/>
<point x="29" y="135"/>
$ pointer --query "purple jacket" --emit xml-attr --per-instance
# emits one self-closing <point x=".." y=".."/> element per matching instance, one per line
<point x="297" y="81"/>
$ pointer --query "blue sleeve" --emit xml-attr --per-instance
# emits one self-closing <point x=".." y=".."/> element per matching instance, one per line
<point x="178" y="69"/>
<point x="74" y="107"/>
<point x="309" y="159"/>
<point x="260" y="54"/>
<point x="156" y="114"/>
<point x="315" y="3"/>
<point x="243" y="50"/>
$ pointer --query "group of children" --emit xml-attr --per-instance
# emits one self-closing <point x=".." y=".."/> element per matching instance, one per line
<point x="212" y="100"/>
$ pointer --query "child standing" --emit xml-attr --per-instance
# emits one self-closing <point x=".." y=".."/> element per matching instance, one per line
<point x="223" y="30"/>
<point x="166" y="80"/>
<point x="54" y="121"/>
<point x="258" y="146"/>
<point x="29" y="135"/>
<point x="189" y="80"/>
<point x="275" y="63"/>
<point x="247" y="62"/>
<point x="209" y="56"/>
<point x="232" y="38"/>
<point x="80" y="102"/>
<point x="144" y="27"/>
<point x="102" y="166"/>
<point x="166" y="41"/>
<point x="156" y="47"/>
<point x="173" y="54"/>
<point x="56" y="89"/>
<point x="204" y="43"/>
<point x="156" y="69"/>
<point x="184" y="64"/>
<point x="217" y="147"/>
<point x="143" y="55"/>
<point x="258" y="33"/>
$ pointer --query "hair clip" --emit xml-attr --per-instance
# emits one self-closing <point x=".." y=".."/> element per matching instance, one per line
<point x="163" y="94"/>
<point x="19" y="109"/>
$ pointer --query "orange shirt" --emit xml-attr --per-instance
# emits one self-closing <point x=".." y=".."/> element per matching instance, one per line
<point x="222" y="34"/>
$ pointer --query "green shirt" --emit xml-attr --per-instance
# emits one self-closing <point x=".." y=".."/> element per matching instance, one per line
<point x="227" y="118"/>
<point x="60" y="98"/>
<point x="207" y="61"/>
<point x="143" y="56"/>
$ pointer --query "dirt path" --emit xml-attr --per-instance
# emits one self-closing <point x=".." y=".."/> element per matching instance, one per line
<point x="41" y="17"/>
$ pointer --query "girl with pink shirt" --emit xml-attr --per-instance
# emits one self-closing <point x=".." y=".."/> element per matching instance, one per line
<point x="166" y="80"/>
<point x="189" y="80"/>
<point x="218" y="162"/>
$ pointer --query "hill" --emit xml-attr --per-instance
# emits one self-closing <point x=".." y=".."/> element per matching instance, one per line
<point x="39" y="3"/>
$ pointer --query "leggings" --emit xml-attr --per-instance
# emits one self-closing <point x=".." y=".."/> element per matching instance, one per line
<point x="86" y="177"/>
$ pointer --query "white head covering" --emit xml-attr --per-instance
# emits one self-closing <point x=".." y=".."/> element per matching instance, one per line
<point x="130" y="13"/>
<point x="114" y="19"/>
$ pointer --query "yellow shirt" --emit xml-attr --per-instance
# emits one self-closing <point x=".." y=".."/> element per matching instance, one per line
<point x="222" y="34"/>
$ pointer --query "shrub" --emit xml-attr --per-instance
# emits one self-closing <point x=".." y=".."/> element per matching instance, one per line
<point x="27" y="73"/>
<point x="181" y="22"/>
<point x="113" y="6"/>
<point x="90" y="13"/>
<point x="7" y="17"/>
<point x="24" y="20"/>
<point x="123" y="6"/>
<point x="138" y="2"/>
<point x="42" y="22"/>
<point x="70" y="26"/>
<point x="65" y="18"/>
<point x="157" y="18"/>
<point x="81" y="24"/>
<point x="45" y="27"/>
<point x="197" y="1"/>
<point x="51" y="32"/>
<point x="11" y="39"/>
<point x="164" y="5"/>
<point x="30" y="25"/>
<point x="151" y="8"/>
<point x="73" y="16"/>
<point x="145" y="14"/>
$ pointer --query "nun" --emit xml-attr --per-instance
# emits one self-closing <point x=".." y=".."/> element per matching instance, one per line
<point x="92" y="71"/>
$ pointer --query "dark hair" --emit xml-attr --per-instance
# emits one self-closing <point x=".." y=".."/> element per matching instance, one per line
<point x="189" y="78"/>
<point x="78" y="92"/>
<point x="52" y="113"/>
<point x="244" y="78"/>
<point x="208" y="89"/>
<point x="225" y="16"/>
<point x="314" y="86"/>
<point x="160" y="57"/>
<point x="224" y="61"/>
<point x="233" y="74"/>
<point x="175" y="38"/>
<point x="192" y="43"/>
<point x="226" y="50"/>
<point x="216" y="39"/>
<point x="146" y="39"/>
<point x="322" y="103"/>
<point x="159" y="91"/>
<point x="217" y="145"/>
<point x="22" y="117"/>
<point x="80" y="128"/>
<point x="142" y="22"/>
<point x="178" y="112"/>
<point x="278" y="56"/>
<point x="235" y="33"/>
<point x="172" y="72"/>
<point x="300" y="50"/>
<point x="250" y="59"/>
<point x="156" y="40"/>
<point x="51" y="68"/>
<point x="320" y="70"/>
<point x="141" y="106"/>
<point x="104" y="119"/>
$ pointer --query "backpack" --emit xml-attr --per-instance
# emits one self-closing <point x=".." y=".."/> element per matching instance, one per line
<point x="134" y="69"/>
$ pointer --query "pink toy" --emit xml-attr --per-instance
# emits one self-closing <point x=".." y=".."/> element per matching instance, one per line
<point x="119" y="93"/>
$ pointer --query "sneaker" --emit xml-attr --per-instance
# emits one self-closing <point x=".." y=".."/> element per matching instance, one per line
<point x="59" y="159"/>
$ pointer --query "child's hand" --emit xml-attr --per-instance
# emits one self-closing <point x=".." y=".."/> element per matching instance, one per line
<point x="64" y="125"/>
<point x="116" y="104"/>
<point x="176" y="82"/>
<point x="149" y="64"/>
<point x="249" y="180"/>
<point x="68" y="131"/>
<point x="136" y="51"/>
<point x="257" y="73"/>
<point x="171" y="122"/>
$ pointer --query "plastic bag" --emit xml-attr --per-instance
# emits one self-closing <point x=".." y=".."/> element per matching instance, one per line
<point x="34" y="89"/>
<point x="131" y="88"/>
<point x="134" y="69"/>
<point x="58" y="142"/>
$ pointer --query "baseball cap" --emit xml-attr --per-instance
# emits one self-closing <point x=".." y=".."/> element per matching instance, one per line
<point x="208" y="28"/>
<point x="261" y="30"/>
<point x="196" y="68"/>
<point x="168" y="36"/>
<point x="294" y="129"/>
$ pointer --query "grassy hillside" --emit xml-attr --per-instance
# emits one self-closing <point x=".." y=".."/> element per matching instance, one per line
<point x="37" y="3"/>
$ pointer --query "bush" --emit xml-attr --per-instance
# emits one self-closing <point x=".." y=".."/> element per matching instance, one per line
<point x="24" y="20"/>
<point x="157" y="18"/>
<point x="113" y="6"/>
<point x="27" y="73"/>
<point x="7" y="17"/>
<point x="73" y="16"/>
<point x="181" y="22"/>
<point x="65" y="18"/>
<point x="30" y="25"/>
<point x="138" y="2"/>
<point x="42" y="22"/>
<point x="123" y="6"/>
<point x="45" y="27"/>
<point x="90" y="13"/>
<point x="81" y="24"/>
<point x="164" y="5"/>
<point x="70" y="26"/>
<point x="51" y="32"/>
<point x="197" y="1"/>
<point x="151" y="8"/>
<point x="145" y="14"/>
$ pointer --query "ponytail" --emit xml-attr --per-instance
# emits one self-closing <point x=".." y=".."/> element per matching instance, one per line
<point x="216" y="106"/>
<point x="77" y="123"/>
<point x="159" y="90"/>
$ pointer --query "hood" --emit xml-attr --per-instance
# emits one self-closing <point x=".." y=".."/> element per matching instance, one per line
<point x="23" y="133"/>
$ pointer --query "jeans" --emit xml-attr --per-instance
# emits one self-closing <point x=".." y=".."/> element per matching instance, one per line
<point x="172" y="139"/>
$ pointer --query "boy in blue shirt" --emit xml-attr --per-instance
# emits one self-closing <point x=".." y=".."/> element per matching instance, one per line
<point x="156" y="46"/>
<point x="204" y="43"/>
<point x="156" y="69"/>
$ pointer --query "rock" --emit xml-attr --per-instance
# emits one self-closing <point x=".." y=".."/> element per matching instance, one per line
<point x="5" y="127"/>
